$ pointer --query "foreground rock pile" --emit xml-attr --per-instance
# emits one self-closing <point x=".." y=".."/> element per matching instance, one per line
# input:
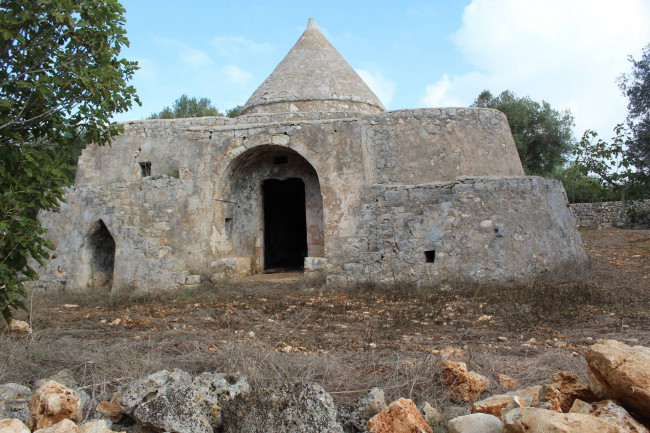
<point x="617" y="399"/>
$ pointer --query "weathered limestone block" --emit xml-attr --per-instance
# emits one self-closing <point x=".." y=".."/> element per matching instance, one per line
<point x="138" y="391"/>
<point x="507" y="382"/>
<point x="367" y="407"/>
<point x="495" y="404"/>
<point x="615" y="414"/>
<point x="475" y="423"/>
<point x="63" y="426"/>
<point x="298" y="407"/>
<point x="176" y="402"/>
<point x="110" y="410"/>
<point x="52" y="403"/>
<point x="431" y="414"/>
<point x="462" y="384"/>
<point x="529" y="395"/>
<point x="530" y="419"/>
<point x="580" y="406"/>
<point x="212" y="390"/>
<point x="231" y="267"/>
<point x="19" y="326"/>
<point x="97" y="426"/>
<point x="173" y="410"/>
<point x="623" y="371"/>
<point x="13" y="426"/>
<point x="563" y="390"/>
<point x="401" y="416"/>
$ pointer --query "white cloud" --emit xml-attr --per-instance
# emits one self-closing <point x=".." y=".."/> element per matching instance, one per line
<point x="237" y="45"/>
<point x="190" y="56"/>
<point x="569" y="53"/>
<point x="383" y="87"/>
<point x="439" y="94"/>
<point x="235" y="74"/>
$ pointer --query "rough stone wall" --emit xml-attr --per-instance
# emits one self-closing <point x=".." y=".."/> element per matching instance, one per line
<point x="481" y="230"/>
<point x="374" y="179"/>
<point x="602" y="214"/>
<point x="440" y="144"/>
<point x="145" y="224"/>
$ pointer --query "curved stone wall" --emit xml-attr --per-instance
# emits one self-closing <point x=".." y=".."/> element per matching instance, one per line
<point x="440" y="144"/>
<point x="479" y="230"/>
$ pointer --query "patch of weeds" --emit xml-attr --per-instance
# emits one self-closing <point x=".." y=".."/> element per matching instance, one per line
<point x="438" y="427"/>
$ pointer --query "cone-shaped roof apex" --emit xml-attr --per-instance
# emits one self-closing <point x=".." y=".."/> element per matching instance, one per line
<point x="313" y="77"/>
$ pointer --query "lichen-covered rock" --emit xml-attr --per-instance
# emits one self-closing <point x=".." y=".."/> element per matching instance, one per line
<point x="13" y="426"/>
<point x="533" y="420"/>
<point x="296" y="408"/>
<point x="63" y="426"/>
<point x="173" y="409"/>
<point x="52" y="403"/>
<point x="139" y="391"/>
<point x="176" y="402"/>
<point x="401" y="416"/>
<point x="475" y="423"/>
<point x="494" y="404"/>
<point x="623" y="371"/>
<point x="214" y="389"/>
<point x="615" y="414"/>
<point x="463" y="385"/>
<point x="563" y="390"/>
<point x="368" y="406"/>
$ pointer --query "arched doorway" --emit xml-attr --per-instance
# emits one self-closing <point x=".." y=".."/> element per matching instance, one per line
<point x="272" y="209"/>
<point x="101" y="246"/>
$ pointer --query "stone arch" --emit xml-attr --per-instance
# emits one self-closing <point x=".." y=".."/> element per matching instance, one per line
<point x="100" y="256"/>
<point x="242" y="202"/>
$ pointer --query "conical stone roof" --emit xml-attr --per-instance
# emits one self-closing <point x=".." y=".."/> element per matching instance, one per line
<point x="313" y="77"/>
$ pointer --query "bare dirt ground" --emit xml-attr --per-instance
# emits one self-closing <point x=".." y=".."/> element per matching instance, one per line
<point x="348" y="339"/>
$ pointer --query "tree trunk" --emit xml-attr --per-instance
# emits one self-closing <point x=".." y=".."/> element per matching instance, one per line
<point x="621" y="215"/>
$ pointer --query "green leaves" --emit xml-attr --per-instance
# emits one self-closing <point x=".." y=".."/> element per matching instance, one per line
<point x="188" y="107"/>
<point x="544" y="136"/>
<point x="610" y="161"/>
<point x="636" y="87"/>
<point x="61" y="80"/>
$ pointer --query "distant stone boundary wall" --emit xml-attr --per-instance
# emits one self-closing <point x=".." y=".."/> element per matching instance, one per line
<point x="602" y="213"/>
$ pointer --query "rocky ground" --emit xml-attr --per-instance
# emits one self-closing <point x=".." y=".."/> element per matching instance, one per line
<point x="349" y="339"/>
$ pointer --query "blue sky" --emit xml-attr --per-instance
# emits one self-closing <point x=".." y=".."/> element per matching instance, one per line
<point x="411" y="53"/>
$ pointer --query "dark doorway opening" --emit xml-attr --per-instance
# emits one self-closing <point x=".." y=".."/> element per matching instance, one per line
<point x="285" y="224"/>
<point x="102" y="249"/>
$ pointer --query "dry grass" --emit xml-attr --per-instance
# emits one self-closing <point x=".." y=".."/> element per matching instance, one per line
<point x="348" y="339"/>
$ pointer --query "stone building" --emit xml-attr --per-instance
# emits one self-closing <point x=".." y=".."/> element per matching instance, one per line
<point x="315" y="175"/>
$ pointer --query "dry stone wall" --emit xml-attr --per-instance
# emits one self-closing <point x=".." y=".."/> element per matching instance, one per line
<point x="475" y="229"/>
<point x="603" y="214"/>
<point x="383" y="200"/>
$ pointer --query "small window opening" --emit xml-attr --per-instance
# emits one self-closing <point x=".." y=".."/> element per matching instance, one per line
<point x="228" y="228"/>
<point x="430" y="256"/>
<point x="277" y="160"/>
<point x="146" y="168"/>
